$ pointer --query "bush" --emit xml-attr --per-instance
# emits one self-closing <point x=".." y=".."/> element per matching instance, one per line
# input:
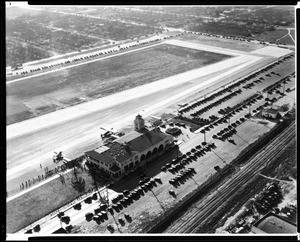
<point x="94" y="197"/>
<point x="88" y="216"/>
<point x="61" y="214"/>
<point x="37" y="228"/>
<point x="69" y="228"/>
<point x="88" y="200"/>
<point x="65" y="219"/>
<point x="217" y="168"/>
<point x="77" y="206"/>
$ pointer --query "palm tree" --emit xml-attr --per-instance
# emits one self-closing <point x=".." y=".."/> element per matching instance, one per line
<point x="78" y="184"/>
<point x="62" y="179"/>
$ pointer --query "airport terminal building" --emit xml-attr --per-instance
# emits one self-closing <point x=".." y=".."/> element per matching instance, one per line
<point x="135" y="148"/>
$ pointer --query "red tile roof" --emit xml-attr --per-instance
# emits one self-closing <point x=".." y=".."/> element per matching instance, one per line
<point x="142" y="141"/>
<point x="272" y="110"/>
<point x="115" y="152"/>
<point x="123" y="148"/>
<point x="115" y="168"/>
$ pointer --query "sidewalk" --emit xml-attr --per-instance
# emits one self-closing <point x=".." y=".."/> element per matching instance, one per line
<point x="35" y="186"/>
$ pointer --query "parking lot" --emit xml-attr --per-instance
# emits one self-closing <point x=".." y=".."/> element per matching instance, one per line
<point x="239" y="93"/>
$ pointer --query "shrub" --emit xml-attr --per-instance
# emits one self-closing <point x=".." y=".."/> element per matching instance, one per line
<point x="37" y="228"/>
<point x="77" y="206"/>
<point x="65" y="219"/>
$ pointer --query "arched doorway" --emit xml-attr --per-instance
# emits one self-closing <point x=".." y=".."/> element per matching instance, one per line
<point x="149" y="155"/>
<point x="154" y="152"/>
<point x="143" y="157"/>
<point x="160" y="148"/>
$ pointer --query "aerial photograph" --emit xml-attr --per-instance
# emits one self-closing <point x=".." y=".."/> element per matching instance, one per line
<point x="150" y="120"/>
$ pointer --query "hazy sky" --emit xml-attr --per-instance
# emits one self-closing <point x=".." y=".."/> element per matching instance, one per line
<point x="13" y="3"/>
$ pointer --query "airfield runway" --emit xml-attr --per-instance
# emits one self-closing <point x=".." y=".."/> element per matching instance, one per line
<point x="76" y="129"/>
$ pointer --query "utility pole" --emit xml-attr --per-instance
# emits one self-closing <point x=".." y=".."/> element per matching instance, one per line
<point x="107" y="195"/>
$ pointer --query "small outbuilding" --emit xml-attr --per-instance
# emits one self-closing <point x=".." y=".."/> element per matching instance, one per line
<point x="271" y="113"/>
<point x="274" y="224"/>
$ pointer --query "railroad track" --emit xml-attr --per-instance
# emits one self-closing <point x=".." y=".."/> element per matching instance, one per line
<point x="191" y="222"/>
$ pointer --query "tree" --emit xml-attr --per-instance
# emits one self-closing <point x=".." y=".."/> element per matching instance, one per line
<point x="37" y="228"/>
<point x="217" y="168"/>
<point x="65" y="219"/>
<point x="78" y="184"/>
<point x="62" y="179"/>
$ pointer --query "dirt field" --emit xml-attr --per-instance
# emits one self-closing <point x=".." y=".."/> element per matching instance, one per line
<point x="32" y="206"/>
<point x="219" y="42"/>
<point x="293" y="33"/>
<point x="272" y="35"/>
<point x="64" y="88"/>
<point x="287" y="40"/>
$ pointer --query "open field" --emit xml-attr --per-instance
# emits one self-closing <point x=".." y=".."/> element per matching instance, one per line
<point x="35" y="204"/>
<point x="219" y="42"/>
<point x="292" y="31"/>
<point x="272" y="35"/>
<point x="287" y="40"/>
<point x="74" y="85"/>
<point x="58" y="62"/>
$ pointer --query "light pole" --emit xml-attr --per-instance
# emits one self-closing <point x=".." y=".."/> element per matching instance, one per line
<point x="284" y="82"/>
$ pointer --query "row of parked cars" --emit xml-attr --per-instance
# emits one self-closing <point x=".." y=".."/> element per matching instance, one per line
<point x="230" y="111"/>
<point x="88" y="56"/>
<point x="224" y="36"/>
<point x="179" y="163"/>
<point x="228" y="131"/>
<point x="96" y="54"/>
<point x="234" y="85"/>
<point x="121" y="201"/>
<point x="216" y="103"/>
<point x="205" y="100"/>
<point x="277" y="85"/>
<point x="183" y="176"/>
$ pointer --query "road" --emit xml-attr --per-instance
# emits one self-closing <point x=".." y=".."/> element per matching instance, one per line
<point x="81" y="55"/>
<point x="205" y="209"/>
